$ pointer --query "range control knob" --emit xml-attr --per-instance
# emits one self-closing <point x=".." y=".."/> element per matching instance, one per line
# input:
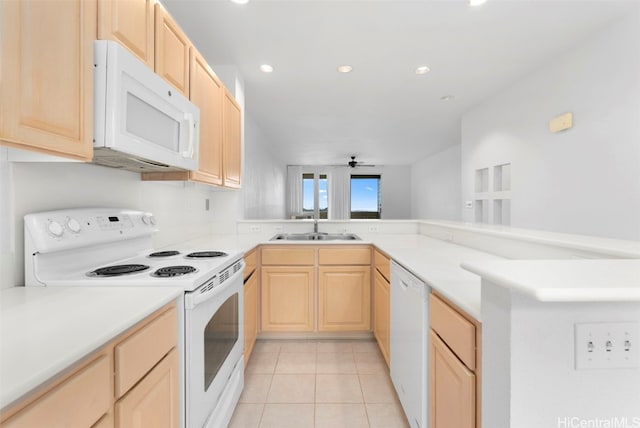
<point x="152" y="220"/>
<point x="146" y="218"/>
<point x="55" y="228"/>
<point x="73" y="225"/>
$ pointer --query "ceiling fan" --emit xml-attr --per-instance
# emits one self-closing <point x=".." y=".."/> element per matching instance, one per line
<point x="353" y="163"/>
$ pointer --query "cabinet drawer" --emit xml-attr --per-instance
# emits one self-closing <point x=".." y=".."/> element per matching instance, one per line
<point x="154" y="401"/>
<point x="383" y="264"/>
<point x="141" y="351"/>
<point x="456" y="331"/>
<point x="80" y="401"/>
<point x="344" y="256"/>
<point x="251" y="261"/>
<point x="288" y="256"/>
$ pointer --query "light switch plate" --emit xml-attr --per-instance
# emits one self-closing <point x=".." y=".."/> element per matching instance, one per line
<point x="607" y="346"/>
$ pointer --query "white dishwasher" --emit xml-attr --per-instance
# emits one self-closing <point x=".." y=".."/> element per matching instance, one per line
<point x="408" y="343"/>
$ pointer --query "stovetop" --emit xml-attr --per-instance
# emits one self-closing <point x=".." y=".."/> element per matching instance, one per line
<point x="169" y="270"/>
<point x="112" y="247"/>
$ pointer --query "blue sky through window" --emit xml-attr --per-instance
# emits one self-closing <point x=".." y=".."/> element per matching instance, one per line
<point x="307" y="193"/>
<point x="365" y="194"/>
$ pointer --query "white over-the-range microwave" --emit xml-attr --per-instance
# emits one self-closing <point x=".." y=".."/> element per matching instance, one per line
<point x="141" y="123"/>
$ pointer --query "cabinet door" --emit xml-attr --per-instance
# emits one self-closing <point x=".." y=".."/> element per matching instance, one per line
<point x="344" y="298"/>
<point x="207" y="92"/>
<point x="250" y="315"/>
<point x="287" y="298"/>
<point x="171" y="51"/>
<point x="381" y="313"/>
<point x="129" y="22"/>
<point x="232" y="141"/>
<point x="452" y="401"/>
<point x="154" y="401"/>
<point x="46" y="100"/>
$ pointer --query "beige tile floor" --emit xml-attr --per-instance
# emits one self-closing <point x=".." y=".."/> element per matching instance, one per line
<point x="318" y="384"/>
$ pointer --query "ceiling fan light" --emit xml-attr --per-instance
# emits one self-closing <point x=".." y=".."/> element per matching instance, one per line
<point x="345" y="69"/>
<point x="240" y="1"/>
<point x="474" y="3"/>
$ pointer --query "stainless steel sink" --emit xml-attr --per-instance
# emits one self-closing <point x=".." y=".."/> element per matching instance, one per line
<point x="315" y="237"/>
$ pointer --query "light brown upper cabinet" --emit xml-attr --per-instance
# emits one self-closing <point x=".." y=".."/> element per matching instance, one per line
<point x="232" y="141"/>
<point x="206" y="93"/>
<point x="131" y="23"/>
<point x="171" y="51"/>
<point x="46" y="90"/>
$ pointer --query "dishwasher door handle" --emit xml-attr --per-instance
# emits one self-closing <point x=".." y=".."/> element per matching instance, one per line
<point x="403" y="285"/>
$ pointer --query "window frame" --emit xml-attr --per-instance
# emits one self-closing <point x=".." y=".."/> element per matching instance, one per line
<point x="365" y="215"/>
<point x="316" y="212"/>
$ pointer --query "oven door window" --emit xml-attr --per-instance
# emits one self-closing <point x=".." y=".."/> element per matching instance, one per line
<point x="220" y="334"/>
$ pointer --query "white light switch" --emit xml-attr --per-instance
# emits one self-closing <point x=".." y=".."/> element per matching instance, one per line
<point x="607" y="346"/>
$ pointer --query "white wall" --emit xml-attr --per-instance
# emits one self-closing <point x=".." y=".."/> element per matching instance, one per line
<point x="179" y="207"/>
<point x="264" y="176"/>
<point x="585" y="180"/>
<point x="395" y="192"/>
<point x="435" y="186"/>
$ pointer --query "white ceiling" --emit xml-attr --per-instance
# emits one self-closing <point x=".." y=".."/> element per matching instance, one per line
<point x="382" y="111"/>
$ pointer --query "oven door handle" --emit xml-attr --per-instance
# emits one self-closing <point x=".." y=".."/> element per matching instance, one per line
<point x="198" y="296"/>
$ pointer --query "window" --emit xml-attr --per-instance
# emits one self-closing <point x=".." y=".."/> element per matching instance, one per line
<point x="314" y="196"/>
<point x="365" y="196"/>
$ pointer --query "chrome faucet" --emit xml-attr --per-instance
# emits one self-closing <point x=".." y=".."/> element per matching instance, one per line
<point x="315" y="225"/>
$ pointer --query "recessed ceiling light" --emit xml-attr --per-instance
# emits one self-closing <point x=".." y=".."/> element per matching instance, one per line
<point x="345" y="69"/>
<point x="472" y="3"/>
<point x="266" y="68"/>
<point x="423" y="69"/>
<point x="240" y="1"/>
<point x="447" y="98"/>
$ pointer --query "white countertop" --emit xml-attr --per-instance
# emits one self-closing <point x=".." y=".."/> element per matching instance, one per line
<point x="565" y="280"/>
<point x="434" y="261"/>
<point x="45" y="330"/>
<point x="613" y="247"/>
<point x="438" y="264"/>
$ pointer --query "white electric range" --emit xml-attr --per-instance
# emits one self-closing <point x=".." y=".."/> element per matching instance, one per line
<point x="104" y="247"/>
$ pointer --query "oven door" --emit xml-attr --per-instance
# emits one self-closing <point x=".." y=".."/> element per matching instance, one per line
<point x="214" y="342"/>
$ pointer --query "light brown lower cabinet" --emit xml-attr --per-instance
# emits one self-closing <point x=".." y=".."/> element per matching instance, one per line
<point x="451" y="388"/>
<point x="381" y="313"/>
<point x="344" y="298"/>
<point x="454" y="368"/>
<point x="250" y="314"/>
<point x="153" y="402"/>
<point x="86" y="396"/>
<point x="287" y="298"/>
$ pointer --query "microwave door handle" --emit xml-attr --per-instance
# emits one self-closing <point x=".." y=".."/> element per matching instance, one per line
<point x="190" y="136"/>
